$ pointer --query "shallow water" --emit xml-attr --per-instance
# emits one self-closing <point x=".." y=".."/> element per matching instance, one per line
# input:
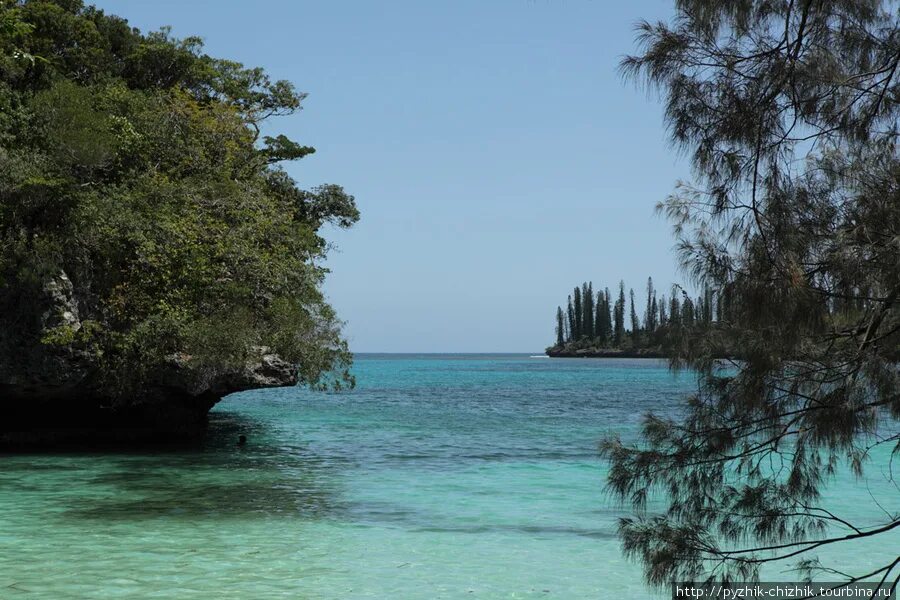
<point x="440" y="477"/>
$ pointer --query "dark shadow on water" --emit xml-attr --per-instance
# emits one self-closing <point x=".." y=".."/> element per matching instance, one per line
<point x="217" y="479"/>
<point x="213" y="479"/>
<point x="535" y="530"/>
<point x="223" y="429"/>
<point x="239" y="500"/>
<point x="384" y="513"/>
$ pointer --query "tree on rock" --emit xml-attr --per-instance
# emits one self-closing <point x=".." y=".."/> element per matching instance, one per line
<point x="136" y="187"/>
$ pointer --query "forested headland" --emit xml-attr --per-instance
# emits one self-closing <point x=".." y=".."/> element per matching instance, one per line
<point x="596" y="323"/>
<point x="155" y="255"/>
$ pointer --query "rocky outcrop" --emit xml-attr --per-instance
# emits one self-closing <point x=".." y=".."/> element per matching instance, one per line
<point x="29" y="368"/>
<point x="50" y="392"/>
<point x="563" y="352"/>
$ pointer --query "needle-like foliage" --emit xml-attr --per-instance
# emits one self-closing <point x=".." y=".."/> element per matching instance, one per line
<point x="788" y="111"/>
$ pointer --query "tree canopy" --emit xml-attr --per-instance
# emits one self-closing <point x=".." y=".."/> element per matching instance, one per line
<point x="788" y="111"/>
<point x="135" y="164"/>
<point x="602" y="327"/>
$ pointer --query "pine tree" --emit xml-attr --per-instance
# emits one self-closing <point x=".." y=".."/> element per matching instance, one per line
<point x="619" y="317"/>
<point x="663" y="316"/>
<point x="788" y="111"/>
<point x="650" y="311"/>
<point x="570" y="314"/>
<point x="602" y="318"/>
<point x="699" y="309"/>
<point x="607" y="316"/>
<point x="587" y="296"/>
<point x="560" y="327"/>
<point x="687" y="312"/>
<point x="635" y="323"/>
<point x="579" y="315"/>
<point x="674" y="310"/>
<point x="708" y="299"/>
<point x="724" y="304"/>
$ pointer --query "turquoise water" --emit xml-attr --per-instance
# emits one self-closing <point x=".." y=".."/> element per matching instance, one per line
<point x="438" y="477"/>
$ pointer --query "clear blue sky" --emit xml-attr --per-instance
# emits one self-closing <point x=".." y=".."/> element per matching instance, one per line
<point x="497" y="157"/>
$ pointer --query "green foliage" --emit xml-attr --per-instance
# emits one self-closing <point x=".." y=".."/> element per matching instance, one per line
<point x="635" y="321"/>
<point x="789" y="111"/>
<point x="602" y="327"/>
<point x="560" y="327"/>
<point x="619" y="317"/>
<point x="587" y="295"/>
<point x="578" y="330"/>
<point x="281" y="148"/>
<point x="133" y="164"/>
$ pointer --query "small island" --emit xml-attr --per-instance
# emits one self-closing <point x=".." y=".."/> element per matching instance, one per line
<point x="593" y="325"/>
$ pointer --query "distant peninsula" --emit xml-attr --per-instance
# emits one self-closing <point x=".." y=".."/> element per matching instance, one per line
<point x="594" y="325"/>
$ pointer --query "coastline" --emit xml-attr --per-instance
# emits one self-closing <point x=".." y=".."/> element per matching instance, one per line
<point x="603" y="353"/>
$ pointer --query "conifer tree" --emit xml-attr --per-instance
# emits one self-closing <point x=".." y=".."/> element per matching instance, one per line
<point x="579" y="314"/>
<point x="650" y="311"/>
<point x="699" y="308"/>
<point x="635" y="323"/>
<point x="587" y="299"/>
<point x="708" y="300"/>
<point x="560" y="327"/>
<point x="789" y="113"/>
<point x="607" y="315"/>
<point x="663" y="315"/>
<point x="570" y="314"/>
<point x="675" y="310"/>
<point x="619" y="317"/>
<point x="687" y="312"/>
<point x="724" y="303"/>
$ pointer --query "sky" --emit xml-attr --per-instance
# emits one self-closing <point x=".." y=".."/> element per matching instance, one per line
<point x="496" y="155"/>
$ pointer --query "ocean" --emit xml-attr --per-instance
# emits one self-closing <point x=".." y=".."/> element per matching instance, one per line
<point x="440" y="476"/>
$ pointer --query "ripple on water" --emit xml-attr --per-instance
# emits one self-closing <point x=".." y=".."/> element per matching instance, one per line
<point x="472" y="476"/>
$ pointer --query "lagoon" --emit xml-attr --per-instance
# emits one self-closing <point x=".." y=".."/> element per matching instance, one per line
<point x="440" y="476"/>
